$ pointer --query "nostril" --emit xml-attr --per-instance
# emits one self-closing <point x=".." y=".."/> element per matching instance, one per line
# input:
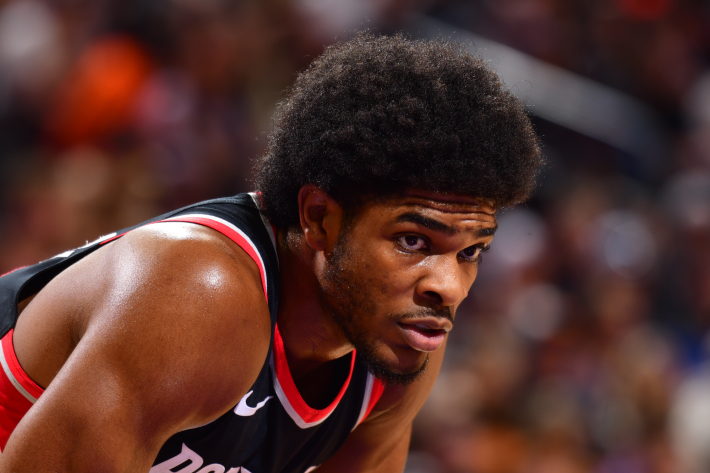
<point x="434" y="296"/>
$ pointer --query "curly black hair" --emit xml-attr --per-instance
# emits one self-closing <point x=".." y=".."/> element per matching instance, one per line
<point x="376" y="115"/>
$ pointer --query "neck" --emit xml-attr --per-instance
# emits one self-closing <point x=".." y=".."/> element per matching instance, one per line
<point x="311" y="338"/>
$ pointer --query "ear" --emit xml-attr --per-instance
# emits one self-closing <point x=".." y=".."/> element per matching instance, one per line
<point x="321" y="217"/>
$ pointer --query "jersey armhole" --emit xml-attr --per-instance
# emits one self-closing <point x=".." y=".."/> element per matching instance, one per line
<point x="13" y="370"/>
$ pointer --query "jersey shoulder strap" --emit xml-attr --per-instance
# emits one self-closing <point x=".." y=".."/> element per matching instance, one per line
<point x="236" y="217"/>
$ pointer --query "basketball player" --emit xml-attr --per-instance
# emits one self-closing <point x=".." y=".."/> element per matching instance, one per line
<point x="297" y="328"/>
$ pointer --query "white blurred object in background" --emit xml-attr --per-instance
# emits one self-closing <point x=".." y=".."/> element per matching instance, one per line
<point x="520" y="240"/>
<point x="690" y="422"/>
<point x="331" y="18"/>
<point x="31" y="48"/>
<point x="536" y="311"/>
<point x="622" y="240"/>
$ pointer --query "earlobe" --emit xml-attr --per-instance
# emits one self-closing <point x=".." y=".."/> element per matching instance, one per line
<point x="320" y="217"/>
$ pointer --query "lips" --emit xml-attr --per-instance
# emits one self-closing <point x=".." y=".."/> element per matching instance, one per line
<point x="425" y="335"/>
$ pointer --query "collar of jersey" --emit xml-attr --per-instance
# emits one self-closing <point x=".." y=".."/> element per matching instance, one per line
<point x="302" y="414"/>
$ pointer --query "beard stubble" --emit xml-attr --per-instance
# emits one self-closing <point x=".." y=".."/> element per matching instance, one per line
<point x="345" y="297"/>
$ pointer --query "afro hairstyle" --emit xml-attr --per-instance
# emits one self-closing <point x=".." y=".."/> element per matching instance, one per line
<point x="377" y="115"/>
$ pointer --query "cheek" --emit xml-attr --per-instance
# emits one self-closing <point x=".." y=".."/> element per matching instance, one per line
<point x="388" y="272"/>
<point x="395" y="278"/>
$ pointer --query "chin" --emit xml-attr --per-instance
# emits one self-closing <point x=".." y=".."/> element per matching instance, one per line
<point x="409" y="360"/>
<point x="409" y="366"/>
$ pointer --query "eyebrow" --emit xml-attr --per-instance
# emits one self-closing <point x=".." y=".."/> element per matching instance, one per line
<point x="438" y="226"/>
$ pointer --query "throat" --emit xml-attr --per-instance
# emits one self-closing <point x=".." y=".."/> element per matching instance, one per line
<point x="320" y="386"/>
<point x="313" y="384"/>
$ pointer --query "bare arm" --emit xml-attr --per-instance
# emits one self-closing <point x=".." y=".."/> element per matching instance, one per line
<point x="168" y="310"/>
<point x="381" y="443"/>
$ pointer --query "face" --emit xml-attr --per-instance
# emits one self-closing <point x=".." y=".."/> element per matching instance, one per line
<point x="397" y="274"/>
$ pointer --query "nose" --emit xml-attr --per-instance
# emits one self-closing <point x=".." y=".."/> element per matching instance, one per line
<point x="443" y="283"/>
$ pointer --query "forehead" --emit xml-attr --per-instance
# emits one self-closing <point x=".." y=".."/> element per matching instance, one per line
<point x="461" y="212"/>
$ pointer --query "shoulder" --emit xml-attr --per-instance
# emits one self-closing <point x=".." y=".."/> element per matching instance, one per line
<point x="178" y="303"/>
<point x="172" y="329"/>
<point x="187" y="267"/>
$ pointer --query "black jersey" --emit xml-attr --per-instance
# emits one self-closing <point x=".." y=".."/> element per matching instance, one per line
<point x="272" y="429"/>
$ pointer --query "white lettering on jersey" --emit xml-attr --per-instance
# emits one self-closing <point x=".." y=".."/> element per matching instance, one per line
<point x="244" y="410"/>
<point x="196" y="462"/>
<point x="186" y="454"/>
<point x="213" y="468"/>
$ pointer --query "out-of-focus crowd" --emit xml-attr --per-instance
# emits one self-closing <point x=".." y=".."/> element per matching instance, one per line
<point x="584" y="346"/>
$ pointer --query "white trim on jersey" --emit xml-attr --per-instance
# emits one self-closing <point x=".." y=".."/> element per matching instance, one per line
<point x="366" y="400"/>
<point x="13" y="380"/>
<point x="287" y="405"/>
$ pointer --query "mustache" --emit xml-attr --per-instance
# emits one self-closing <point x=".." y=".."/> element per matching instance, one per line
<point x="422" y="313"/>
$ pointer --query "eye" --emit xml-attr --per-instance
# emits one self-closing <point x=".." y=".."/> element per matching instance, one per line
<point x="412" y="242"/>
<point x="472" y="253"/>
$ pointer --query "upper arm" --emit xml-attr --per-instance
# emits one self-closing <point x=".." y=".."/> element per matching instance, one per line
<point x="380" y="444"/>
<point x="165" y="319"/>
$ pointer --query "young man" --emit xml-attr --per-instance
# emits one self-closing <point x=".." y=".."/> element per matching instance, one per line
<point x="302" y="326"/>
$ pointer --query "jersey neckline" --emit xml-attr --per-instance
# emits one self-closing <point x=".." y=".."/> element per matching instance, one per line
<point x="302" y="414"/>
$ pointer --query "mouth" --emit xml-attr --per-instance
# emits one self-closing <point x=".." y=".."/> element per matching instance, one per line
<point x="423" y="336"/>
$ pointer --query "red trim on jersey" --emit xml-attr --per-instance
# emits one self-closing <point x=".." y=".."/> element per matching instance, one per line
<point x="232" y="235"/>
<point x="13" y="404"/>
<point x="307" y="413"/>
<point x="377" y="390"/>
<point x="1" y="275"/>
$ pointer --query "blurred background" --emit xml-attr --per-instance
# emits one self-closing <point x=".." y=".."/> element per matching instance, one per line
<point x="585" y="343"/>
